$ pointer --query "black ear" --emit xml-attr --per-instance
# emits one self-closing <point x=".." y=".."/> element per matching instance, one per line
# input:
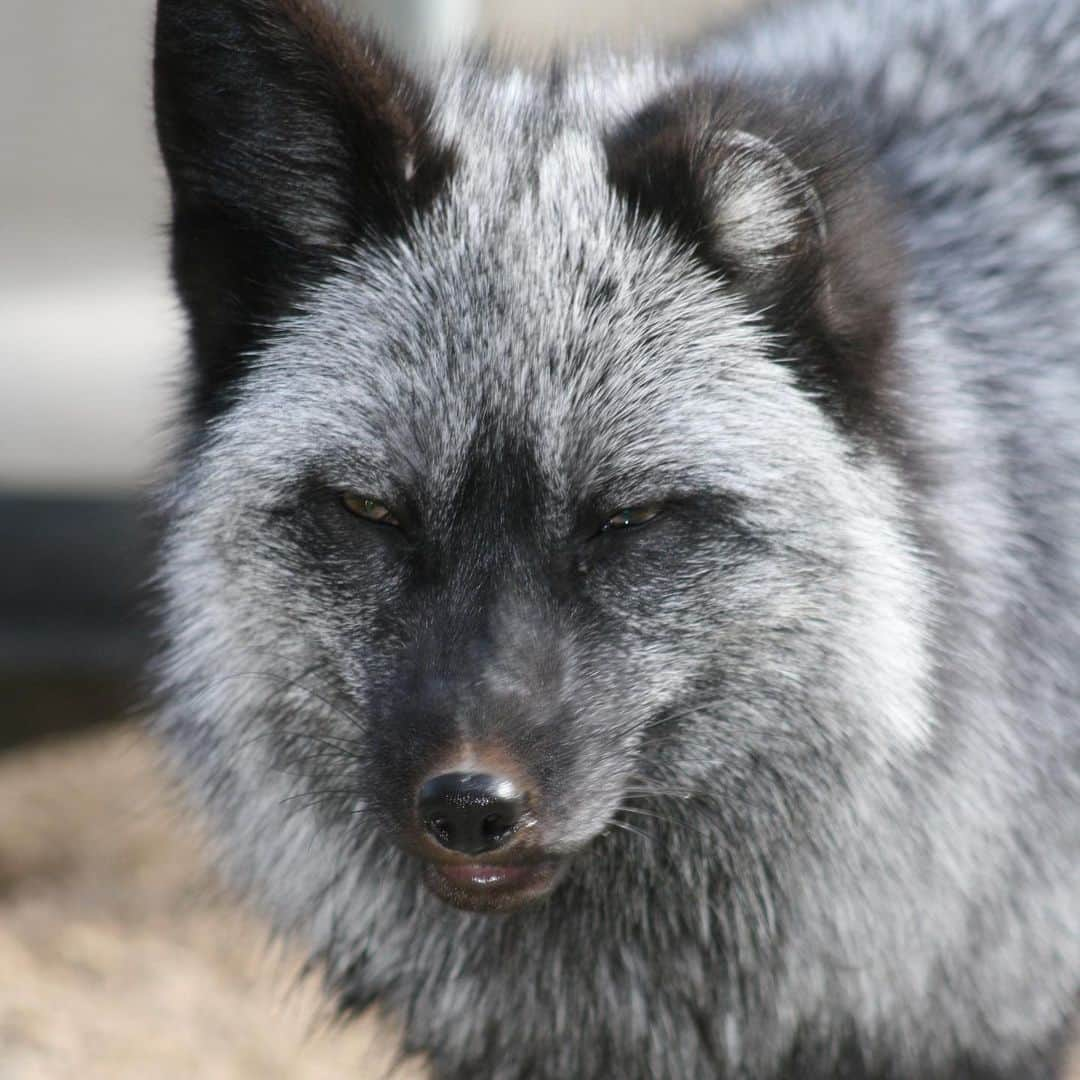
<point x="783" y="211"/>
<point x="288" y="139"/>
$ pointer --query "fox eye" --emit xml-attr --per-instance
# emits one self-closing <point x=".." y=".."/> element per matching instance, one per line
<point x="630" y="517"/>
<point x="369" y="509"/>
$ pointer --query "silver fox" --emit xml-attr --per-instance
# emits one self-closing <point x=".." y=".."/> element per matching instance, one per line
<point x="621" y="589"/>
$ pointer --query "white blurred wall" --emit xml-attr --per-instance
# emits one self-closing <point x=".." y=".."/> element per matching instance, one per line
<point x="554" y="21"/>
<point x="88" y="331"/>
<point x="90" y="337"/>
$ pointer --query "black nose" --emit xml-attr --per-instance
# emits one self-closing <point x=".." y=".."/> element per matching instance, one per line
<point x="470" y="812"/>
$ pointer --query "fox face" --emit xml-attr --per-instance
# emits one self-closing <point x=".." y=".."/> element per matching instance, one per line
<point x="540" y="486"/>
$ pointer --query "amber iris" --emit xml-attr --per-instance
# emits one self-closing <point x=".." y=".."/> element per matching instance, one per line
<point x="629" y="517"/>
<point x="369" y="509"/>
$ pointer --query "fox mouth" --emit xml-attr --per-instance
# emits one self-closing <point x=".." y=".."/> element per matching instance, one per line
<point x="490" y="886"/>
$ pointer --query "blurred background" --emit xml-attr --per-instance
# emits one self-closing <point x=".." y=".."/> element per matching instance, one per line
<point x="119" y="954"/>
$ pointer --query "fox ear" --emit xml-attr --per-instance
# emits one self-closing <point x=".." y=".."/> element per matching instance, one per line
<point x="767" y="224"/>
<point x="288" y="139"/>
<point x="780" y="209"/>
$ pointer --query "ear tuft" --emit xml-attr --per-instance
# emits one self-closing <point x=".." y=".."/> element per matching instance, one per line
<point x="288" y="139"/>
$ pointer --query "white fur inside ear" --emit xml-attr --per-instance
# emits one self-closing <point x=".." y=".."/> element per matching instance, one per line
<point x="761" y="200"/>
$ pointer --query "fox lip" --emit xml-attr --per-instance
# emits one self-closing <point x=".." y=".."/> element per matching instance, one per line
<point x="491" y="886"/>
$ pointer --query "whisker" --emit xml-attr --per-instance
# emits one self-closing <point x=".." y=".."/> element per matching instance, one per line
<point x="329" y="792"/>
<point x="678" y="825"/>
<point x="291" y="683"/>
<point x="626" y="827"/>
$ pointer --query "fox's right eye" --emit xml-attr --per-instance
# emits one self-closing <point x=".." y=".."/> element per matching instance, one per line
<point x="369" y="509"/>
<point x="630" y="517"/>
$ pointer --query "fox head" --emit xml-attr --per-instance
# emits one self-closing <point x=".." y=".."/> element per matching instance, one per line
<point x="540" y="494"/>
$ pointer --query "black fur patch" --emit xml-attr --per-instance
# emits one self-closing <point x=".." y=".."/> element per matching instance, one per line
<point x="828" y="288"/>
<point x="288" y="139"/>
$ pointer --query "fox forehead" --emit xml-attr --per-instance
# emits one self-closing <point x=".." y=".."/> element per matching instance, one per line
<point x="526" y="307"/>
<point x="608" y="363"/>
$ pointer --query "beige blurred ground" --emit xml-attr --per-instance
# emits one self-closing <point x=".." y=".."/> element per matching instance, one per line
<point x="120" y="958"/>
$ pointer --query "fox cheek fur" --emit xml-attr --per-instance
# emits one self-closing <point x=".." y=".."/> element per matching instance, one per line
<point x="600" y="569"/>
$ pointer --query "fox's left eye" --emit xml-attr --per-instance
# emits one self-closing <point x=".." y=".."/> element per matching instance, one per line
<point x="631" y="516"/>
<point x="369" y="509"/>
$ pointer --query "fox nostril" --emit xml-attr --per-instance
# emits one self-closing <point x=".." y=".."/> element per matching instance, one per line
<point x="442" y="829"/>
<point x="470" y="812"/>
